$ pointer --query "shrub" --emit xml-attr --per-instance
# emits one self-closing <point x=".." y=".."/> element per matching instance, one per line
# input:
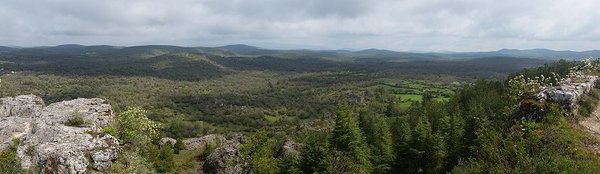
<point x="9" y="163"/>
<point x="130" y="162"/>
<point x="30" y="150"/>
<point x="588" y="103"/>
<point x="258" y="153"/>
<point x="165" y="161"/>
<point x="76" y="120"/>
<point x="178" y="145"/>
<point x="134" y="126"/>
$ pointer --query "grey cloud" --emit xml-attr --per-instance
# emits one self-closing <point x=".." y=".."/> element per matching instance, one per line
<point x="289" y="9"/>
<point x="462" y="25"/>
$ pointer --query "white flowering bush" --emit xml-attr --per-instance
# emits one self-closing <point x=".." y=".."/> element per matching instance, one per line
<point x="520" y="84"/>
<point x="136" y="132"/>
<point x="134" y="126"/>
<point x="585" y="67"/>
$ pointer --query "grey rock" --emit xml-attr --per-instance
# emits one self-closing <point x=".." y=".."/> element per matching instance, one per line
<point x="289" y="147"/>
<point x="95" y="112"/>
<point x="16" y="115"/>
<point x="225" y="159"/>
<point x="201" y="142"/>
<point x="568" y="92"/>
<point x="23" y="106"/>
<point x="47" y="142"/>
<point x="164" y="141"/>
<point x="236" y="136"/>
<point x="102" y="159"/>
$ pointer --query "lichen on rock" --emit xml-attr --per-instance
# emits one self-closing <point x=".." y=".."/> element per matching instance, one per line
<point x="48" y="143"/>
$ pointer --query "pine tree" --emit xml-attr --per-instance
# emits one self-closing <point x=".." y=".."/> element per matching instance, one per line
<point x="348" y="140"/>
<point x="401" y="136"/>
<point x="392" y="108"/>
<point x="314" y="153"/>
<point x="258" y="153"/>
<point x="378" y="137"/>
<point x="165" y="161"/>
<point x="454" y="140"/>
<point x="428" y="148"/>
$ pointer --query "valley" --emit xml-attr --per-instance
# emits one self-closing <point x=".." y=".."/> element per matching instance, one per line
<point x="416" y="114"/>
<point x="299" y="87"/>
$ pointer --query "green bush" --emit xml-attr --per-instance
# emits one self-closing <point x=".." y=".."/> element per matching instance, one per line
<point x="178" y="146"/>
<point x="131" y="162"/>
<point x="9" y="163"/>
<point x="588" y="103"/>
<point x="207" y="150"/>
<point x="137" y="133"/>
<point x="30" y="150"/>
<point x="76" y="120"/>
<point x="165" y="161"/>
<point x="258" y="153"/>
<point x="133" y="126"/>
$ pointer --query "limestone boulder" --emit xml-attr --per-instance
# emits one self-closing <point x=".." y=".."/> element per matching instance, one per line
<point x="166" y="140"/>
<point x="225" y="159"/>
<point x="568" y="92"/>
<point x="48" y="142"/>
<point x="201" y="142"/>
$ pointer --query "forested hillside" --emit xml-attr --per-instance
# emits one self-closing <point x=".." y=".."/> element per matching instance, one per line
<point x="357" y="115"/>
<point x="478" y="130"/>
<point x="231" y="93"/>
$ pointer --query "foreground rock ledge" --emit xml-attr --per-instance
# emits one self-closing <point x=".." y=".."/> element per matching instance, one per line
<point x="48" y="143"/>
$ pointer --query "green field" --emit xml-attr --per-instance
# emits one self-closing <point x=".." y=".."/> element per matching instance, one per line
<point x="410" y="91"/>
<point x="410" y="97"/>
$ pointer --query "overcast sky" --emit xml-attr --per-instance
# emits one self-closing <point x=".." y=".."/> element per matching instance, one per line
<point x="418" y="25"/>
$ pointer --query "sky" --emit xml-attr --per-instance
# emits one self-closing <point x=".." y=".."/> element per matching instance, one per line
<point x="402" y="25"/>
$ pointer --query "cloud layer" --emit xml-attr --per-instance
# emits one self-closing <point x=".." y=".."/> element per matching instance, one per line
<point x="426" y="25"/>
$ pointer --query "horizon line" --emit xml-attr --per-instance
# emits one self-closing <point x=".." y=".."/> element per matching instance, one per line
<point x="283" y="49"/>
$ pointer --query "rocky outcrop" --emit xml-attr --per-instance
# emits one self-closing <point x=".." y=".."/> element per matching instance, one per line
<point x="16" y="115"/>
<point x="201" y="142"/>
<point x="49" y="143"/>
<point x="225" y="159"/>
<point x="166" y="140"/>
<point x="568" y="92"/>
<point x="289" y="147"/>
<point x="238" y="137"/>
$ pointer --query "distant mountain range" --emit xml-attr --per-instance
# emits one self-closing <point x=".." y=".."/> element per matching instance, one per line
<point x="240" y="50"/>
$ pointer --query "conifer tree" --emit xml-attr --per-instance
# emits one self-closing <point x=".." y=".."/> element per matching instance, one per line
<point x="347" y="139"/>
<point x="258" y="153"/>
<point x="401" y="135"/>
<point x="378" y="137"/>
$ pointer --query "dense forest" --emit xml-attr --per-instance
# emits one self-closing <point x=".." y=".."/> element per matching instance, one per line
<point x="359" y="115"/>
<point x="474" y="132"/>
<point x="239" y="93"/>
